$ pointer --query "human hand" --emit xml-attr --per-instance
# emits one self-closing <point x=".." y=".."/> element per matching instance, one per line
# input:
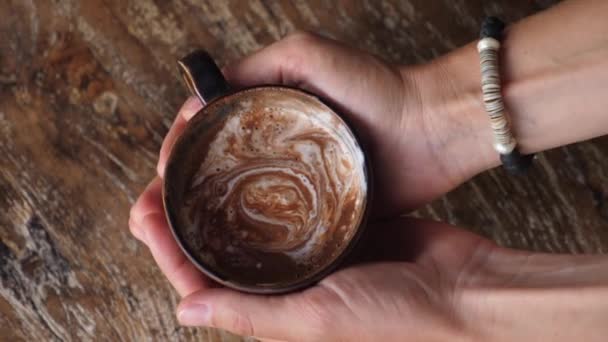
<point x="424" y="294"/>
<point x="418" y="281"/>
<point x="391" y="300"/>
<point x="405" y="291"/>
<point x="381" y="101"/>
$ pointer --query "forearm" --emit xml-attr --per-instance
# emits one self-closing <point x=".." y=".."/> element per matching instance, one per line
<point x="537" y="297"/>
<point x="542" y="315"/>
<point x="555" y="85"/>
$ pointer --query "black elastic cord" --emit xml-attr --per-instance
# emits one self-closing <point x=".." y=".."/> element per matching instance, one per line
<point x="492" y="27"/>
<point x="515" y="163"/>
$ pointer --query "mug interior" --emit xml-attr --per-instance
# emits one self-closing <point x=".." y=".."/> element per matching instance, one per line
<point x="186" y="158"/>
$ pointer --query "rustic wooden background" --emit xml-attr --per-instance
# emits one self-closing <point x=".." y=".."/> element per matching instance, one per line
<point x="88" y="90"/>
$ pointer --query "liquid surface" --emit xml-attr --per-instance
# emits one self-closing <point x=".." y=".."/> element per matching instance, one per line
<point x="280" y="192"/>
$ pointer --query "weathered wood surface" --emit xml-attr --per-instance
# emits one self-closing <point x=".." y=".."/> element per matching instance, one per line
<point x="88" y="90"/>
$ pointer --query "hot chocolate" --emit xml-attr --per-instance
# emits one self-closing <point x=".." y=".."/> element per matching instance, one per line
<point x="279" y="189"/>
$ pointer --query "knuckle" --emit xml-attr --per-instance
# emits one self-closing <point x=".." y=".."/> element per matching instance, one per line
<point x="134" y="229"/>
<point x="133" y="210"/>
<point x="302" y="43"/>
<point x="297" y="51"/>
<point x="302" y="38"/>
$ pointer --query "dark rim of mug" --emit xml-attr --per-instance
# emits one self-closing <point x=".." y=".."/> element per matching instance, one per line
<point x="315" y="277"/>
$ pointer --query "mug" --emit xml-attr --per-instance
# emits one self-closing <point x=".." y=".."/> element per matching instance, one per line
<point x="204" y="80"/>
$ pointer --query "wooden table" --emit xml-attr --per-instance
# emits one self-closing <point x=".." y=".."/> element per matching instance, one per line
<point x="88" y="90"/>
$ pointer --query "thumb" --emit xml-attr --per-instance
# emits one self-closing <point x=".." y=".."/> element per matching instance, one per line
<point x="359" y="85"/>
<point x="348" y="78"/>
<point x="286" y="317"/>
<point x="301" y="59"/>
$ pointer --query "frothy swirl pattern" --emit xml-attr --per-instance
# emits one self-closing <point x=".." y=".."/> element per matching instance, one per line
<point x="278" y="180"/>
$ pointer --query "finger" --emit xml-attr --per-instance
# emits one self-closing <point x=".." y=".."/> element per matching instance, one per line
<point x="148" y="220"/>
<point x="277" y="317"/>
<point x="147" y="203"/>
<point x="178" y="269"/>
<point x="186" y="112"/>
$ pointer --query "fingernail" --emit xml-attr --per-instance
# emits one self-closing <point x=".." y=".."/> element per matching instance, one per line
<point x="193" y="315"/>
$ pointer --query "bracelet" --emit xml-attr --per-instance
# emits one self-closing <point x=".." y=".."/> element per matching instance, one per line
<point x="504" y="142"/>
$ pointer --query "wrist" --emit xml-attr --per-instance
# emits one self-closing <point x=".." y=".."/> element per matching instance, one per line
<point x="540" y="315"/>
<point x="453" y="115"/>
<point x="553" y="95"/>
<point x="537" y="297"/>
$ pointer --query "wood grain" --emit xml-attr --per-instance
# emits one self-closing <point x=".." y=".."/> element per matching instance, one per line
<point x="88" y="90"/>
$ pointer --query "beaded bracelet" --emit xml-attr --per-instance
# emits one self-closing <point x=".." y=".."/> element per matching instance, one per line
<point x="504" y="142"/>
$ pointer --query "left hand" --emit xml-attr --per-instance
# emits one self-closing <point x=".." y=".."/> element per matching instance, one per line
<point x="411" y="295"/>
<point x="423" y="281"/>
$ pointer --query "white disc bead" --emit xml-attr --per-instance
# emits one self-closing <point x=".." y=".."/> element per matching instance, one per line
<point x="505" y="148"/>
<point x="488" y="43"/>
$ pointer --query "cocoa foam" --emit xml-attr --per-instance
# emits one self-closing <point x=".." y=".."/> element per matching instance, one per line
<point x="281" y="189"/>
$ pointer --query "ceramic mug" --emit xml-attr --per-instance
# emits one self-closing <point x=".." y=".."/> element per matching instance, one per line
<point x="205" y="80"/>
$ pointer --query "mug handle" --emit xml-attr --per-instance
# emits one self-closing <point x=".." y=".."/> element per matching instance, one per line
<point x="202" y="76"/>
